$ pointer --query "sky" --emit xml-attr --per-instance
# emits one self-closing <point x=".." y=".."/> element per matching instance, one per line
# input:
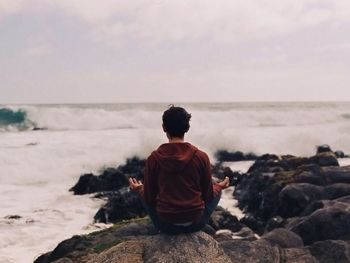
<point x="83" y="51"/>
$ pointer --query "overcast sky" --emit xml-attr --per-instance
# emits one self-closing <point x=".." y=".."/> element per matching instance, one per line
<point x="174" y="50"/>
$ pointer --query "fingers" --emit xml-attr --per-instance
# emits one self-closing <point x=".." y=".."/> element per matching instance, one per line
<point x="225" y="183"/>
<point x="133" y="182"/>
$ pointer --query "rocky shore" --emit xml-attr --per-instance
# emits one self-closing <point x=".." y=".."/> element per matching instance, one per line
<point x="297" y="209"/>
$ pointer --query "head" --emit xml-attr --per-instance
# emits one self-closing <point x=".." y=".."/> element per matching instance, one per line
<point x="176" y="122"/>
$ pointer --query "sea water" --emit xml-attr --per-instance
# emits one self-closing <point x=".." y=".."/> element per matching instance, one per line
<point x="37" y="167"/>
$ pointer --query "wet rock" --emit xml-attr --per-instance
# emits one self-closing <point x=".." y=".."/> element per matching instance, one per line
<point x="331" y="251"/>
<point x="110" y="179"/>
<point x="264" y="162"/>
<point x="294" y="198"/>
<point x="334" y="174"/>
<point x="13" y="217"/>
<point x="226" y="156"/>
<point x="219" y="171"/>
<point x="122" y="205"/>
<point x="63" y="249"/>
<point x="323" y="149"/>
<point x="274" y="222"/>
<point x="85" y="247"/>
<point x="254" y="223"/>
<point x="223" y="219"/>
<point x="323" y="224"/>
<point x="283" y="238"/>
<point x="325" y="159"/>
<point x="340" y="154"/>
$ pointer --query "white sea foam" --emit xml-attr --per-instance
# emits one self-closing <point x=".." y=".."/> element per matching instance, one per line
<point x="227" y="200"/>
<point x="38" y="167"/>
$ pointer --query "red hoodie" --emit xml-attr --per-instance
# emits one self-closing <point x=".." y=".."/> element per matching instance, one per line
<point x="177" y="182"/>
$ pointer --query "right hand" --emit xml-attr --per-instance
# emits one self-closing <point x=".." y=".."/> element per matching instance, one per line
<point x="134" y="184"/>
<point x="225" y="183"/>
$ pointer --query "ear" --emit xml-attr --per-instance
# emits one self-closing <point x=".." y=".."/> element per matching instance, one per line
<point x="163" y="126"/>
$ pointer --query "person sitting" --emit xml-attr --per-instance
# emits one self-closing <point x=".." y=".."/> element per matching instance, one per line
<point x="177" y="190"/>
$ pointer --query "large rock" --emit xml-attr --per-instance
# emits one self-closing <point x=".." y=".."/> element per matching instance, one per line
<point x="111" y="179"/>
<point x="294" y="198"/>
<point x="335" y="174"/>
<point x="283" y="238"/>
<point x="263" y="252"/>
<point x="331" y="251"/>
<point x="223" y="219"/>
<point x="341" y="203"/>
<point x="323" y="224"/>
<point x="226" y="156"/>
<point x="121" y="205"/>
<point x="325" y="159"/>
<point x="194" y="247"/>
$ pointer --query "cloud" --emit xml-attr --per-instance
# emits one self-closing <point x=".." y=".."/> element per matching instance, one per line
<point x="338" y="47"/>
<point x="40" y="50"/>
<point x="10" y="6"/>
<point x="227" y="21"/>
<point x="223" y="20"/>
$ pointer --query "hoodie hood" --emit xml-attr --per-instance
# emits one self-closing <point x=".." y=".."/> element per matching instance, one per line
<point x="174" y="157"/>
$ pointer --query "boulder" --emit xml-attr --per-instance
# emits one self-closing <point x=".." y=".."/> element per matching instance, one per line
<point x="195" y="247"/>
<point x="323" y="149"/>
<point x="132" y="242"/>
<point x="319" y="204"/>
<point x="121" y="205"/>
<point x="125" y="252"/>
<point x="223" y="219"/>
<point x="226" y="156"/>
<point x="111" y="179"/>
<point x="331" y="251"/>
<point x="283" y="238"/>
<point x="263" y="252"/>
<point x="334" y="174"/>
<point x="254" y="223"/>
<point x="264" y="163"/>
<point x="294" y="198"/>
<point x="219" y="171"/>
<point x="336" y="191"/>
<point x="340" y="154"/>
<point x="325" y="159"/>
<point x="323" y="224"/>
<point x="274" y="222"/>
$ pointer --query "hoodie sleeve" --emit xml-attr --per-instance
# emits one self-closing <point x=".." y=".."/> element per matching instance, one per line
<point x="209" y="190"/>
<point x="150" y="189"/>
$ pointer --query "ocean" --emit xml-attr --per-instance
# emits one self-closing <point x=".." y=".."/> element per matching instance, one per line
<point x="45" y="148"/>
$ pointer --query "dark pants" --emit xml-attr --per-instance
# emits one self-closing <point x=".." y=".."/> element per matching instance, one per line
<point x="171" y="229"/>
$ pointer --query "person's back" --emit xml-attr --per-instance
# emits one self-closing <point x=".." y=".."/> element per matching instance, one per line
<point x="178" y="193"/>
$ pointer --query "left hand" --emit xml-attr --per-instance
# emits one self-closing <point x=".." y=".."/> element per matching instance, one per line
<point x="134" y="184"/>
<point x="225" y="183"/>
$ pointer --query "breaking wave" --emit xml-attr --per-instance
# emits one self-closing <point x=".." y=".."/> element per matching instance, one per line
<point x="14" y="119"/>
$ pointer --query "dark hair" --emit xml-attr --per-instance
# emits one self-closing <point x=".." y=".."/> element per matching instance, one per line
<point x="176" y="121"/>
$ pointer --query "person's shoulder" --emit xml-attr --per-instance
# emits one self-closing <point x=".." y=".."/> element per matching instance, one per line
<point x="151" y="157"/>
<point x="200" y="153"/>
